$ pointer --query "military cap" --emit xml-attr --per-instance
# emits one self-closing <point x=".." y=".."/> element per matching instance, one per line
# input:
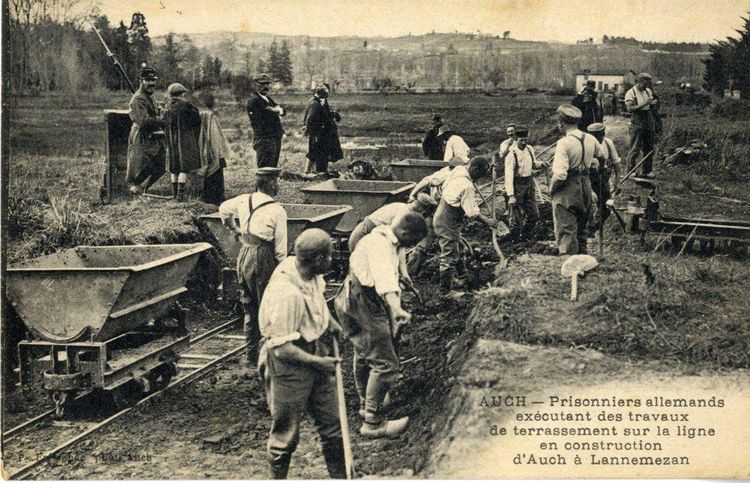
<point x="267" y="172"/>
<point x="176" y="89"/>
<point x="263" y="78"/>
<point x="569" y="114"/>
<point x="522" y="132"/>
<point x="426" y="200"/>
<point x="596" y="127"/>
<point x="590" y="82"/>
<point x="644" y="75"/>
<point x="437" y="117"/>
<point x="148" y="73"/>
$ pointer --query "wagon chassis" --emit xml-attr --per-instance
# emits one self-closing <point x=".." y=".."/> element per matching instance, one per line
<point x="146" y="358"/>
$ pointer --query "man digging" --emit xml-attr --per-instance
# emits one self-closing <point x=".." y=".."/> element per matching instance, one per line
<point x="369" y="308"/>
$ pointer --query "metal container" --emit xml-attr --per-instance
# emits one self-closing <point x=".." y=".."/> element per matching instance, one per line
<point x="298" y="219"/>
<point x="94" y="294"/>
<point x="415" y="169"/>
<point x="364" y="196"/>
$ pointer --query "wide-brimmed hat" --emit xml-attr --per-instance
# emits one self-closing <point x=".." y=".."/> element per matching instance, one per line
<point x="267" y="172"/>
<point x="263" y="79"/>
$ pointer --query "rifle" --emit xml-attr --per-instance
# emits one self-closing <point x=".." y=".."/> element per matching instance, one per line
<point x="114" y="59"/>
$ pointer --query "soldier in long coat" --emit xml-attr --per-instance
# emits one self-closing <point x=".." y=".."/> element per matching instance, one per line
<point x="324" y="146"/>
<point x="146" y="151"/>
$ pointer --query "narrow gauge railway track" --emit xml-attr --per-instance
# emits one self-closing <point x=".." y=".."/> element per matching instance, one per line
<point x="28" y="446"/>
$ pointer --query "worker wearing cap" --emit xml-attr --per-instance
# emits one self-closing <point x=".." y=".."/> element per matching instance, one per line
<point x="432" y="184"/>
<point x="433" y="146"/>
<point x="457" y="202"/>
<point x="360" y="169"/>
<point x="455" y="146"/>
<point x="265" y="119"/>
<point x="570" y="187"/>
<point x="510" y="130"/>
<point x="519" y="185"/>
<point x="587" y="102"/>
<point x="639" y="101"/>
<point x="262" y="231"/>
<point x="296" y="360"/>
<point x="320" y="125"/>
<point x="146" y="151"/>
<point x="182" y="126"/>
<point x="602" y="181"/>
<point x="369" y="309"/>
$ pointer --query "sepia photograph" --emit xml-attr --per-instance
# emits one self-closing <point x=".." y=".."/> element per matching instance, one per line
<point x="375" y="239"/>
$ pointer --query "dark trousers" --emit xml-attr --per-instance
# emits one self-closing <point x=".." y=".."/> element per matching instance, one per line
<point x="525" y="213"/>
<point x="213" y="188"/>
<point x="293" y="390"/>
<point x="267" y="151"/>
<point x="641" y="142"/>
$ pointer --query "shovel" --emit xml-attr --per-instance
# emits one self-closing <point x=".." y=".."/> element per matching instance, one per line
<point x="573" y="267"/>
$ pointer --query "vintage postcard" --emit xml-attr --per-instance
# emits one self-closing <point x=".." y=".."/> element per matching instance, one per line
<point x="479" y="239"/>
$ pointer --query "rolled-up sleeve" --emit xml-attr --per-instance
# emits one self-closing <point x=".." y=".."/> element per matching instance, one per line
<point x="383" y="273"/>
<point x="280" y="315"/>
<point x="280" y="236"/>
<point x="561" y="162"/>
<point x="509" y="175"/>
<point x="468" y="203"/>
<point x="231" y="208"/>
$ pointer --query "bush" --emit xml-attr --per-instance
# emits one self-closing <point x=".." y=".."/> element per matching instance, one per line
<point x="730" y="109"/>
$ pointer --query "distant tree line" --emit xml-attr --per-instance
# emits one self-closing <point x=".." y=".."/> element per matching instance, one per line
<point x="728" y="67"/>
<point x="665" y="46"/>
<point x="53" y="47"/>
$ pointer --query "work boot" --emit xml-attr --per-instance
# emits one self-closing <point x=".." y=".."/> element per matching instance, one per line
<point x="384" y="429"/>
<point x="174" y="190"/>
<point x="280" y="466"/>
<point x="333" y="453"/>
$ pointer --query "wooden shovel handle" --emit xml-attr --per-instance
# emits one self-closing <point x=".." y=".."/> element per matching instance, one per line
<point x="574" y="286"/>
<point x="348" y="458"/>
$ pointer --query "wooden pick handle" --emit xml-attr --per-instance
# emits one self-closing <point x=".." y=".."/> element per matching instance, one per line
<point x="348" y="457"/>
<point x="574" y="286"/>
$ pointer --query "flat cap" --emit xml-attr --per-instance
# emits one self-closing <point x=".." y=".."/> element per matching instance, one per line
<point x="426" y="200"/>
<point x="568" y="112"/>
<point x="359" y="162"/>
<point x="437" y="117"/>
<point x="176" y="89"/>
<point x="267" y="172"/>
<point x="596" y="127"/>
<point x="263" y="78"/>
<point x="644" y="75"/>
<point x="590" y="82"/>
<point x="522" y="132"/>
<point x="456" y="161"/>
<point x="148" y="73"/>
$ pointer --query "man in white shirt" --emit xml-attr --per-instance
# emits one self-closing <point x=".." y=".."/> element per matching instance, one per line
<point x="570" y="187"/>
<point x="455" y="146"/>
<point x="457" y="202"/>
<point x="296" y="360"/>
<point x="434" y="185"/>
<point x="602" y="182"/>
<point x="390" y="213"/>
<point x="639" y="101"/>
<point x="369" y="309"/>
<point x="519" y="186"/>
<point x="262" y="231"/>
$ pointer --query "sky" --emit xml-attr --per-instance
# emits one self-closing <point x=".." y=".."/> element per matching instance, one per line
<point x="544" y="20"/>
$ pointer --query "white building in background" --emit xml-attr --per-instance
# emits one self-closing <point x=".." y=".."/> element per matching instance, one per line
<point x="604" y="80"/>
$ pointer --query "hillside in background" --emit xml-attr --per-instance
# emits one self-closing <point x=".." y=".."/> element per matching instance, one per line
<point x="450" y="61"/>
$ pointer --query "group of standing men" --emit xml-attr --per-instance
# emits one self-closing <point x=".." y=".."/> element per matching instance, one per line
<point x="177" y="138"/>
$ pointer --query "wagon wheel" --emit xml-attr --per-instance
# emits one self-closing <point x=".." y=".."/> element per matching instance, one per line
<point x="127" y="395"/>
<point x="62" y="400"/>
<point x="161" y="376"/>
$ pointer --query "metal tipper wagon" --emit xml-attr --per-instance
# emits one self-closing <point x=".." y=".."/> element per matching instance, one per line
<point x="102" y="318"/>
<point x="299" y="218"/>
<point x="415" y="169"/>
